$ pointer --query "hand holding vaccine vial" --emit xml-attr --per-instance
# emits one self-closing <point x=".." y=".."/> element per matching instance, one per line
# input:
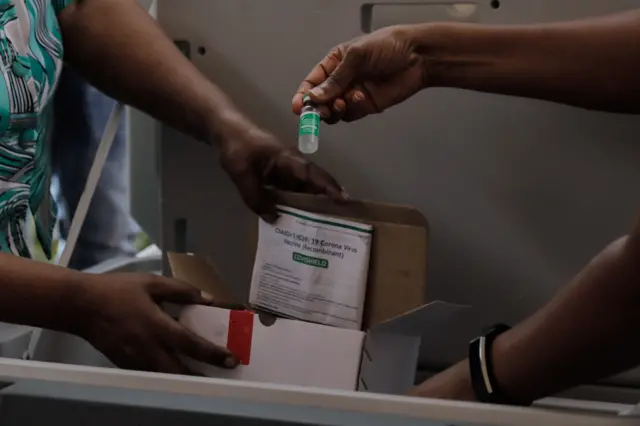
<point x="309" y="128"/>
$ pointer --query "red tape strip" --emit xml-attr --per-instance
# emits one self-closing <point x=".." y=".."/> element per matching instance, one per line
<point x="240" y="335"/>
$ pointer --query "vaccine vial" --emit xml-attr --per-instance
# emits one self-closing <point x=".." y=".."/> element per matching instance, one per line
<point x="309" y="128"/>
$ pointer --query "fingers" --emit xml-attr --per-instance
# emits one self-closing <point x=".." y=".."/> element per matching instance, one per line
<point x="374" y="96"/>
<point x="331" y="84"/>
<point x="317" y="76"/>
<point x="251" y="185"/>
<point x="330" y="113"/>
<point x="261" y="200"/>
<point x="334" y="115"/>
<point x="292" y="172"/>
<point x="171" y="290"/>
<point x="322" y="182"/>
<point x="193" y="346"/>
<point x="167" y="362"/>
<point x="296" y="102"/>
<point x="355" y="105"/>
<point x="228" y="305"/>
<point x="157" y="360"/>
<point x="144" y="353"/>
<point x="340" y="79"/>
<point x="332" y="77"/>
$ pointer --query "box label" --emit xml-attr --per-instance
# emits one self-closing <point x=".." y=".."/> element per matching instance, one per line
<point x="311" y="261"/>
<point x="309" y="124"/>
<point x="312" y="267"/>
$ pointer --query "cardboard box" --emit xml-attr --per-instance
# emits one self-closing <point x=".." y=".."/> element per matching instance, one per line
<point x="382" y="357"/>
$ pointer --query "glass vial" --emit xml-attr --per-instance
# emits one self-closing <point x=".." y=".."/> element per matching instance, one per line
<point x="309" y="128"/>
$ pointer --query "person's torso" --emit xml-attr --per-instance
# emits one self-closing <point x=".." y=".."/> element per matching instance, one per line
<point x="30" y="63"/>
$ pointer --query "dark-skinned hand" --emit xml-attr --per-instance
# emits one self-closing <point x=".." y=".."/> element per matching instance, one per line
<point x="121" y="316"/>
<point x="364" y="76"/>
<point x="258" y="163"/>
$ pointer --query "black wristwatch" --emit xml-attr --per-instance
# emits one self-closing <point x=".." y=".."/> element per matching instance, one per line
<point x="483" y="380"/>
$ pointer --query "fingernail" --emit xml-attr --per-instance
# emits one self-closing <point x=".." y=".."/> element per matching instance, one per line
<point x="206" y="297"/>
<point x="358" y="97"/>
<point x="344" y="194"/>
<point x="231" y="362"/>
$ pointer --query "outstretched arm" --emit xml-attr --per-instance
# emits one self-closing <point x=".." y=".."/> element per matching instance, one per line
<point x="586" y="333"/>
<point x="593" y="63"/>
<point x="119" y="48"/>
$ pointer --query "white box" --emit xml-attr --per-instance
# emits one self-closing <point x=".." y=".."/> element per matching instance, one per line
<point x="287" y="352"/>
<point x="381" y="359"/>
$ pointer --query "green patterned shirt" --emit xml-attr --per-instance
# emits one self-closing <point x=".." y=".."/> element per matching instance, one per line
<point x="31" y="59"/>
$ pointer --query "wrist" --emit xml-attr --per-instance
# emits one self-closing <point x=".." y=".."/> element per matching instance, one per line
<point x="508" y="373"/>
<point x="82" y="304"/>
<point x="227" y="126"/>
<point x="433" y="43"/>
<point x="224" y="122"/>
<point x="456" y="55"/>
<point x="453" y="384"/>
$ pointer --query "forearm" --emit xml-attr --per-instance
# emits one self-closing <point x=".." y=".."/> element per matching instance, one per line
<point x="118" y="47"/>
<point x="592" y="63"/>
<point x="586" y="333"/>
<point x="38" y="294"/>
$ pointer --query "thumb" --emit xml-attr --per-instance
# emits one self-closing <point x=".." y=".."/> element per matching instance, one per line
<point x="170" y="290"/>
<point x="258" y="198"/>
<point x="340" y="79"/>
<point x="266" y="206"/>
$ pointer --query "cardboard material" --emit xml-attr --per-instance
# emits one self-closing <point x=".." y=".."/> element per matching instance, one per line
<point x="398" y="261"/>
<point x="382" y="357"/>
<point x="201" y="273"/>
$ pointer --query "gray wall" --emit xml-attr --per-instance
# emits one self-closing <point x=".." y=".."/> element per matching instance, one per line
<point x="142" y="135"/>
<point x="520" y="194"/>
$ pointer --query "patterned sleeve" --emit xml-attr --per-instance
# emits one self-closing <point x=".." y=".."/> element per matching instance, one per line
<point x="58" y="5"/>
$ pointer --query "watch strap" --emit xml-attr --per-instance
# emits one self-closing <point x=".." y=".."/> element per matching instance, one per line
<point x="483" y="380"/>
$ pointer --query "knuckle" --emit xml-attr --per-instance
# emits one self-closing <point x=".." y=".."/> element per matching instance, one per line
<point x="331" y="80"/>
<point x="355" y="53"/>
<point x="235" y="157"/>
<point x="336" y="52"/>
<point x="238" y="165"/>
<point x="158" y="282"/>
<point x="299" y="167"/>
<point x="151" y="283"/>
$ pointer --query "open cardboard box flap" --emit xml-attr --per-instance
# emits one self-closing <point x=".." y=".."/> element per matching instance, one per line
<point x="397" y="276"/>
<point x="201" y="273"/>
